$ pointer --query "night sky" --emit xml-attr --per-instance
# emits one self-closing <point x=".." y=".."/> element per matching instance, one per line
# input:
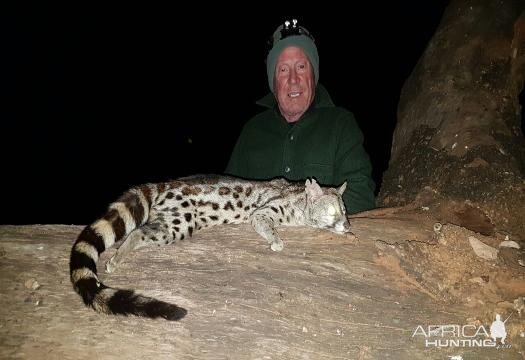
<point x="103" y="98"/>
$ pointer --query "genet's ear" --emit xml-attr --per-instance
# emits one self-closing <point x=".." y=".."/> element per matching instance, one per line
<point x="342" y="189"/>
<point x="313" y="190"/>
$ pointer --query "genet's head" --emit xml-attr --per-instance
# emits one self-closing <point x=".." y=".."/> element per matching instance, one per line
<point x="325" y="208"/>
<point x="293" y="70"/>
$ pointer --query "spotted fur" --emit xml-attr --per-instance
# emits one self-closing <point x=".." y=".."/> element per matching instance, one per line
<point x="159" y="214"/>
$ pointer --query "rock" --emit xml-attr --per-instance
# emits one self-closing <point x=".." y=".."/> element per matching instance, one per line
<point x="509" y="244"/>
<point x="477" y="162"/>
<point x="32" y="284"/>
<point x="519" y="304"/>
<point x="477" y="280"/>
<point x="483" y="250"/>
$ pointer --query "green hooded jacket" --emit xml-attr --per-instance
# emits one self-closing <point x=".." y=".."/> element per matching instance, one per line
<point x="325" y="144"/>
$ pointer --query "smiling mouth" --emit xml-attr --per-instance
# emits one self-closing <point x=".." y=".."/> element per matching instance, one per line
<point x="294" y="94"/>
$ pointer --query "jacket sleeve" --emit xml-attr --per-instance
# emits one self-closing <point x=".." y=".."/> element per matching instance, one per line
<point x="353" y="166"/>
<point x="238" y="165"/>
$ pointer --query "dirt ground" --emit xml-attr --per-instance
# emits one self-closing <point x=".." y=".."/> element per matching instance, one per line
<point x="325" y="296"/>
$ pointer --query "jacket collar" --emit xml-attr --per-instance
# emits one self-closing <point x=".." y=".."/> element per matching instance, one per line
<point x="321" y="99"/>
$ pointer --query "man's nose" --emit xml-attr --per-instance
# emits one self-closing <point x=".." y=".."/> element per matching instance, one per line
<point x="293" y="77"/>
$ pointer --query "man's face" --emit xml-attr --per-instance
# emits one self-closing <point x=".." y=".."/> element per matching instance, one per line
<point x="294" y="83"/>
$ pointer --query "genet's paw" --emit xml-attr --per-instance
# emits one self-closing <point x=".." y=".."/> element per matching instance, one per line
<point x="111" y="265"/>
<point x="277" y="245"/>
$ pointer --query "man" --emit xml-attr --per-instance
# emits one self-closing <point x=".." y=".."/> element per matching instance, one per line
<point x="302" y="134"/>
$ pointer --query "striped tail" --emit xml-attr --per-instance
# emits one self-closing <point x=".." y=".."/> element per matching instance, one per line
<point x="122" y="217"/>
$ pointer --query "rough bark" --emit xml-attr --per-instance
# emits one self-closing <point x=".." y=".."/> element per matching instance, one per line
<point x="458" y="140"/>
<point x="323" y="297"/>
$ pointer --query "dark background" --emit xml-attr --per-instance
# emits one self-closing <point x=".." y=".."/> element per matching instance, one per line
<point x="98" y="99"/>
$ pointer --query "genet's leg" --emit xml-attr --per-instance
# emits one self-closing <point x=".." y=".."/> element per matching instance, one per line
<point x="138" y="238"/>
<point x="264" y="224"/>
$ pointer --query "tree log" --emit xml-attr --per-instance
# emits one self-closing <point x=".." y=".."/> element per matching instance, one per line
<point x="325" y="296"/>
<point x="458" y="139"/>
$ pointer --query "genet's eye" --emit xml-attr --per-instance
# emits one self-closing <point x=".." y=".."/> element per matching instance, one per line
<point x="331" y="210"/>
<point x="328" y="219"/>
